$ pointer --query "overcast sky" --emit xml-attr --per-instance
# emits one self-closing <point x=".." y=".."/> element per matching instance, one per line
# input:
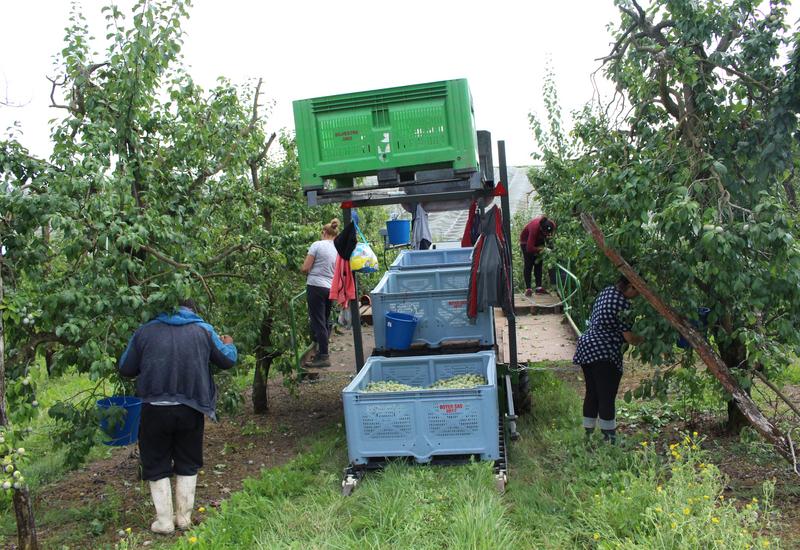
<point x="309" y="48"/>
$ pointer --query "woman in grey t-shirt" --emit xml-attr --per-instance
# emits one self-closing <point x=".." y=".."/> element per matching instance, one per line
<point x="319" y="265"/>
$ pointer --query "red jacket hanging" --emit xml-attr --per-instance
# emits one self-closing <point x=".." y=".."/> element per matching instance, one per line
<point x="343" y="288"/>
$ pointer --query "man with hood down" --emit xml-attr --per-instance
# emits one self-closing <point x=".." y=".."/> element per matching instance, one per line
<point x="170" y="358"/>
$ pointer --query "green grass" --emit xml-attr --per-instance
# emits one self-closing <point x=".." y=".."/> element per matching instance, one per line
<point x="563" y="494"/>
<point x="791" y="375"/>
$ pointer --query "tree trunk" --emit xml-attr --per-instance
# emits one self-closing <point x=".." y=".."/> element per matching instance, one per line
<point x="734" y="357"/>
<point x="263" y="363"/>
<point x="26" y="526"/>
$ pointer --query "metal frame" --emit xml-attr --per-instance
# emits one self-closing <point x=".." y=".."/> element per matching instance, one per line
<point x="470" y="187"/>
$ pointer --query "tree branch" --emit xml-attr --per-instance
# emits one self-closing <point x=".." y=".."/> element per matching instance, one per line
<point x="164" y="258"/>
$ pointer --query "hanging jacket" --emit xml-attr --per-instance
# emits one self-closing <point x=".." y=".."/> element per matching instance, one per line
<point x="490" y="280"/>
<point x="343" y="288"/>
<point x="345" y="242"/>
<point x="473" y="228"/>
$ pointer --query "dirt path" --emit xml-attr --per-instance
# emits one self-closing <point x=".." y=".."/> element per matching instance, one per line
<point x="235" y="449"/>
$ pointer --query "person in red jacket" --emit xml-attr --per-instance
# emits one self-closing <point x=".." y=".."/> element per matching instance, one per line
<point x="532" y="240"/>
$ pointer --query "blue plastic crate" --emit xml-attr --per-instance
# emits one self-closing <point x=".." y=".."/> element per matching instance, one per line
<point x="429" y="259"/>
<point x="438" y="298"/>
<point x="423" y="423"/>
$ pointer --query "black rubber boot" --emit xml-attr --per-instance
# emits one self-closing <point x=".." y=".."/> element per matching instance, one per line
<point x="610" y="436"/>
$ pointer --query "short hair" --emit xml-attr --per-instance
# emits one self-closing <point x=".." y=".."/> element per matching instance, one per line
<point x="188" y="303"/>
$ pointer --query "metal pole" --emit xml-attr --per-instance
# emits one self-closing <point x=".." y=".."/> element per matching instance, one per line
<point x="523" y="381"/>
<point x="355" y="316"/>
<point x="506" y="209"/>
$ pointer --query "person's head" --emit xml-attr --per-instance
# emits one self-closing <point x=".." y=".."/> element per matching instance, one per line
<point x="625" y="286"/>
<point x="188" y="303"/>
<point x="548" y="227"/>
<point x="330" y="230"/>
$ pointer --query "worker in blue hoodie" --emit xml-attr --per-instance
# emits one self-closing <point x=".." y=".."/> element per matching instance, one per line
<point x="171" y="358"/>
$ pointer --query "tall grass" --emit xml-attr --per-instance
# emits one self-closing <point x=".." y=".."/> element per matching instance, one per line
<point x="564" y="494"/>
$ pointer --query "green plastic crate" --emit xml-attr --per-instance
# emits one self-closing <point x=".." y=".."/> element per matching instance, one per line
<point x="407" y="128"/>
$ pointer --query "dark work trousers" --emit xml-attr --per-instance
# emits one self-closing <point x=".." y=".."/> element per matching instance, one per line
<point x="319" y="311"/>
<point x="531" y="262"/>
<point x="170" y="441"/>
<point x="602" y="382"/>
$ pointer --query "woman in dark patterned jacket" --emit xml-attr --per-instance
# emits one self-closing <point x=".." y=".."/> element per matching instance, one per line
<point x="599" y="354"/>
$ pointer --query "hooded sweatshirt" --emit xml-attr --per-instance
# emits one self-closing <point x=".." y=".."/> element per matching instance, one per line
<point x="170" y="358"/>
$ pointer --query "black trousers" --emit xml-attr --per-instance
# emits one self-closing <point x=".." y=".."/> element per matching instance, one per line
<point x="602" y="382"/>
<point x="319" y="312"/>
<point x="531" y="262"/>
<point x="170" y="441"/>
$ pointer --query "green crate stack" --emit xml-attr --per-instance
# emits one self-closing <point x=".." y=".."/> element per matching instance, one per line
<point x="407" y="128"/>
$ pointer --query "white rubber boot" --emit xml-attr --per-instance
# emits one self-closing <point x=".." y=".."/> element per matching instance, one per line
<point x="184" y="500"/>
<point x="161" y="491"/>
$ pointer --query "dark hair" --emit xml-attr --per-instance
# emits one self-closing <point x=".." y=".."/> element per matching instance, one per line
<point x="189" y="304"/>
<point x="547" y="226"/>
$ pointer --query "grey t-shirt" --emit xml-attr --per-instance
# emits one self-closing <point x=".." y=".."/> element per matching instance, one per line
<point x="321" y="273"/>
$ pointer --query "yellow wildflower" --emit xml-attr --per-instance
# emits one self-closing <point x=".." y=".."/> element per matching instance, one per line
<point x="722" y="497"/>
<point x="596" y="536"/>
<point x="755" y="499"/>
<point x="672" y="447"/>
<point x="764" y="543"/>
<point x="201" y="509"/>
<point x="643" y="443"/>
<point x="714" y="520"/>
<point x="687" y="511"/>
<point x="128" y="530"/>
<point x="658" y="509"/>
<point x="659" y="489"/>
<point x="192" y="540"/>
<point x="706" y="497"/>
<point x="695" y="434"/>
<point x="673" y="525"/>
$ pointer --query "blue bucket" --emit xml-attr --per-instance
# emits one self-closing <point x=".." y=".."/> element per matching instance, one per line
<point x="398" y="231"/>
<point x="701" y="324"/>
<point x="400" y="329"/>
<point x="128" y="431"/>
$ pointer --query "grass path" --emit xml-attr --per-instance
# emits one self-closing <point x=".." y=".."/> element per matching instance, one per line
<point x="563" y="494"/>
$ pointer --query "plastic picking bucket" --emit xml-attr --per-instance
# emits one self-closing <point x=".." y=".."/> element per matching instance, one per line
<point x="126" y="431"/>
<point x="398" y="231"/>
<point x="400" y="329"/>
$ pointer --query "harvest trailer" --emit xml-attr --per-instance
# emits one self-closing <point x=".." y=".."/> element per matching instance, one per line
<point x="421" y="144"/>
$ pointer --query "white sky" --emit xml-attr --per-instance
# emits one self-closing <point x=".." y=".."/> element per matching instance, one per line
<point x="309" y="48"/>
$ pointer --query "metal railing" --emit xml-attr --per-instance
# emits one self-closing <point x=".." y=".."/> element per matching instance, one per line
<point x="568" y="287"/>
<point x="296" y="353"/>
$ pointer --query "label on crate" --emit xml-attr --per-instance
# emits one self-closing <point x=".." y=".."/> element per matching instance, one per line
<point x="450" y="408"/>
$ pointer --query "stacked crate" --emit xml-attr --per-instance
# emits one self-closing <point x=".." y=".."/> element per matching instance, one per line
<point x="425" y="423"/>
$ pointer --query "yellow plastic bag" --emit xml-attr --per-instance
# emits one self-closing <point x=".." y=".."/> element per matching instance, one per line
<point x="363" y="259"/>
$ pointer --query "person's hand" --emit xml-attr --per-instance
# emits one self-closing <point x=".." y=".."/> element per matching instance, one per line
<point x="227" y="339"/>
